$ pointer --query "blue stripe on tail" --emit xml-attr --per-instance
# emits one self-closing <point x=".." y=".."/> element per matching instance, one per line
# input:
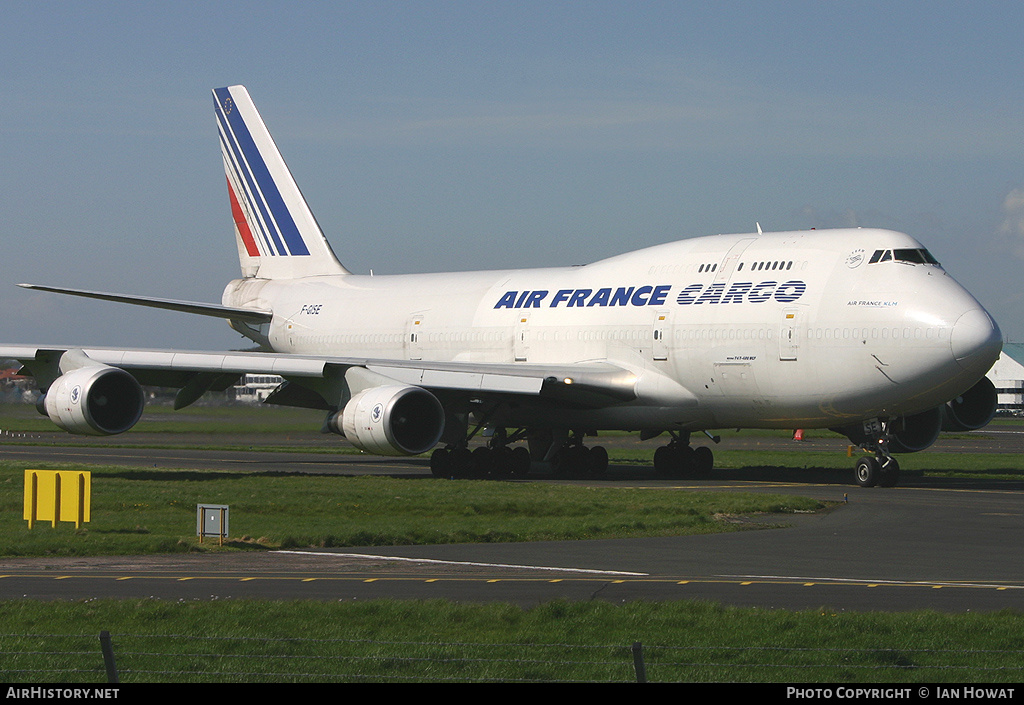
<point x="262" y="189"/>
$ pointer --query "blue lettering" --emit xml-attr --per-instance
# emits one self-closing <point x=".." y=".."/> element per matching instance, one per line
<point x="578" y="297"/>
<point x="762" y="292"/>
<point x="621" y="296"/>
<point x="689" y="294"/>
<point x="560" y="296"/>
<point x="600" y="298"/>
<point x="659" y="295"/>
<point x="535" y="298"/>
<point x="639" y="296"/>
<point x="507" y="301"/>
<point x="790" y="291"/>
<point x="711" y="295"/>
<point x="784" y="293"/>
<point x="736" y="292"/>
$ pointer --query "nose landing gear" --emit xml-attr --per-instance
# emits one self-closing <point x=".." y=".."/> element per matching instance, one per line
<point x="881" y="469"/>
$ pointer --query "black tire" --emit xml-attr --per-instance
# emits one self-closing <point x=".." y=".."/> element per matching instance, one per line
<point x="663" y="457"/>
<point x="868" y="472"/>
<point x="483" y="462"/>
<point x="597" y="462"/>
<point x="890" y="474"/>
<point x="441" y="463"/>
<point x="702" y="461"/>
<point x="519" y="461"/>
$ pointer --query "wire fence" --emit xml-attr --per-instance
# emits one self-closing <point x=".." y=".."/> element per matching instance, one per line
<point x="141" y="658"/>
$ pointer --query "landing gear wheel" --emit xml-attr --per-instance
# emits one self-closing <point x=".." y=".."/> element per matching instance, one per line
<point x="483" y="462"/>
<point x="890" y="473"/>
<point x="678" y="460"/>
<point x="663" y="457"/>
<point x="520" y="462"/>
<point x="868" y="471"/>
<point x="597" y="462"/>
<point x="440" y="463"/>
<point x="702" y="461"/>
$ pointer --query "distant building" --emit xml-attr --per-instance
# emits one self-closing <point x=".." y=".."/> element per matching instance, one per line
<point x="254" y="389"/>
<point x="1008" y="377"/>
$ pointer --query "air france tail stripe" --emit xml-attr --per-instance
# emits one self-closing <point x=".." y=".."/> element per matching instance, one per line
<point x="256" y="214"/>
<point x="241" y="224"/>
<point x="249" y="188"/>
<point x="260" y="180"/>
<point x="237" y="133"/>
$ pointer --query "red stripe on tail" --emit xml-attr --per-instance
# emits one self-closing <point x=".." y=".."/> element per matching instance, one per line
<point x="242" y="224"/>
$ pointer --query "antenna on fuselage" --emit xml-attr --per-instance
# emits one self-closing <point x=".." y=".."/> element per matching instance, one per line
<point x="758" y="228"/>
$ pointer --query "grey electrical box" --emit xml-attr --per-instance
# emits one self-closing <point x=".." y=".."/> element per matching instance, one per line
<point x="211" y="520"/>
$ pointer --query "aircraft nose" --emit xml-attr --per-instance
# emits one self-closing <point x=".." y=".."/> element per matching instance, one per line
<point x="976" y="340"/>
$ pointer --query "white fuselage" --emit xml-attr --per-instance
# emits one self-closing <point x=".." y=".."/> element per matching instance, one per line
<point x="784" y="330"/>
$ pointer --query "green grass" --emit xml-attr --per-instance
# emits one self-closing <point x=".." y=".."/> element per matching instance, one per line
<point x="145" y="510"/>
<point x="403" y="641"/>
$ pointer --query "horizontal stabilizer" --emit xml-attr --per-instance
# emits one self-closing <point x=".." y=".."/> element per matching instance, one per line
<point x="236" y="314"/>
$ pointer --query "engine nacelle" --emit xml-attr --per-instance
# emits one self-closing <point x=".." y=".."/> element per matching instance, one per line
<point x="97" y="400"/>
<point x="972" y="409"/>
<point x="910" y="434"/>
<point x="390" y="420"/>
<point x="907" y="434"/>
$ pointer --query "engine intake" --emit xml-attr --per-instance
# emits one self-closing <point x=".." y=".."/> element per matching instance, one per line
<point x="972" y="409"/>
<point x="97" y="400"/>
<point x="390" y="420"/>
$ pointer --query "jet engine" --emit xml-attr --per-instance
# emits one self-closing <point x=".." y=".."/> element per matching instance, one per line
<point x="390" y="420"/>
<point x="97" y="400"/>
<point x="972" y="409"/>
<point x="909" y="434"/>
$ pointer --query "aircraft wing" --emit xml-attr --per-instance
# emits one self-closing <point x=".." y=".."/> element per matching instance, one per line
<point x="240" y="314"/>
<point x="587" y="384"/>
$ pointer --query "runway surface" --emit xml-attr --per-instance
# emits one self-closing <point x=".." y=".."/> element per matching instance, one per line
<point x="940" y="544"/>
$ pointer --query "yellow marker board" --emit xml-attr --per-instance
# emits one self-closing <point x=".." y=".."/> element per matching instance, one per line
<point x="58" y="495"/>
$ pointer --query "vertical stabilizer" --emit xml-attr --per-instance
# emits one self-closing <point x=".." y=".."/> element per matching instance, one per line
<point x="276" y="233"/>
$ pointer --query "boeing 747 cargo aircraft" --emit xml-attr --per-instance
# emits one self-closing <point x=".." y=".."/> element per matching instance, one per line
<point x="857" y="330"/>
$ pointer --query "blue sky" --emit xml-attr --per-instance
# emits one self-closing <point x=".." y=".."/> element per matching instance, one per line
<point x="430" y="136"/>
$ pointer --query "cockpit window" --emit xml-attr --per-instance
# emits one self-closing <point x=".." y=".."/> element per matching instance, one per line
<point x="910" y="256"/>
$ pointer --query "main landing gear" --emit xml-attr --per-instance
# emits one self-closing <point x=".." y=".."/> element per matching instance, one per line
<point x="499" y="460"/>
<point x="680" y="459"/>
<point x="495" y="460"/>
<point x="575" y="460"/>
